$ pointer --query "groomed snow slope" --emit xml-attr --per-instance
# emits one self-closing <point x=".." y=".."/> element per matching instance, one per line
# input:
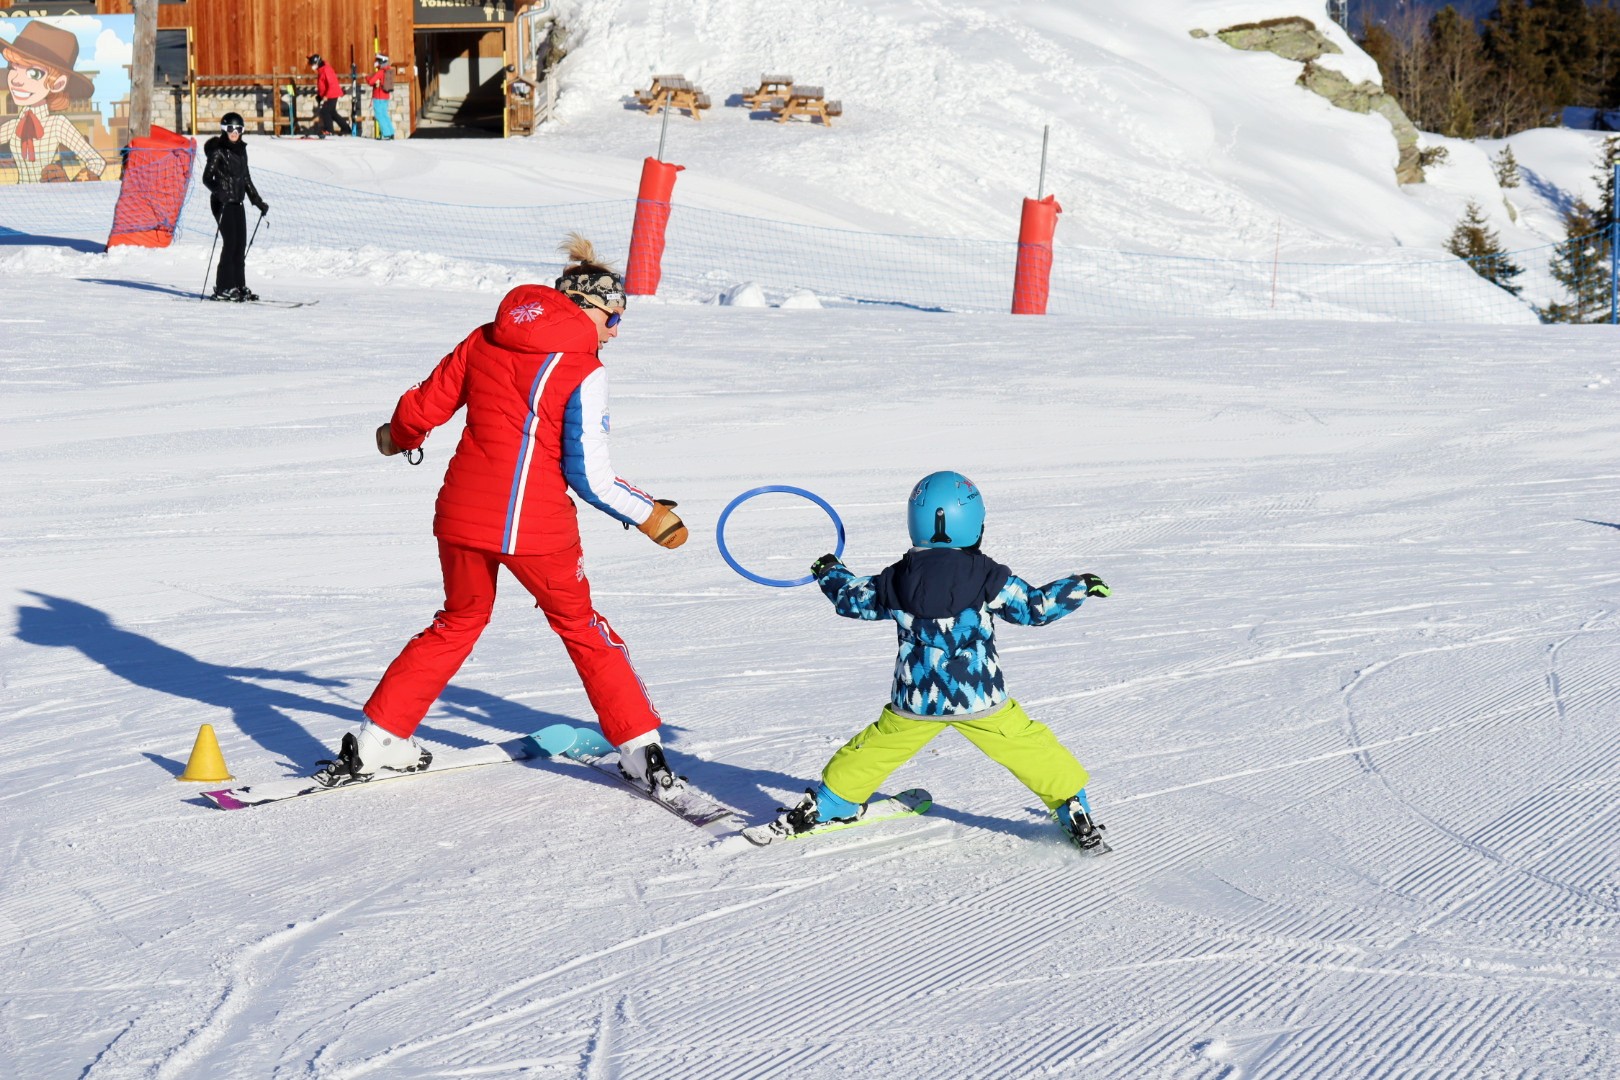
<point x="1349" y="712"/>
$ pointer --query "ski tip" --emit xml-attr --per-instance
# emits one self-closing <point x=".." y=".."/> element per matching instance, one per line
<point x="224" y="800"/>
<point x="556" y="740"/>
<point x="916" y="798"/>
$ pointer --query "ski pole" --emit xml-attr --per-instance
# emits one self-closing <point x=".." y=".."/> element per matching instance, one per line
<point x="255" y="235"/>
<point x="203" y="295"/>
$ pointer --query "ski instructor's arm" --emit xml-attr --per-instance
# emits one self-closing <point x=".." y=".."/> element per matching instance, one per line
<point x="429" y="403"/>
<point x="588" y="468"/>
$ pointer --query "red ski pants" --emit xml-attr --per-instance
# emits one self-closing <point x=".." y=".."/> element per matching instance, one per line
<point x="557" y="581"/>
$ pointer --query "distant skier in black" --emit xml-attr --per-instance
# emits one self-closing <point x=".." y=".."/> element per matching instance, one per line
<point x="227" y="178"/>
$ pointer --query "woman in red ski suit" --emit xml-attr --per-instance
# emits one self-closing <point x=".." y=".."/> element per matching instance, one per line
<point x="536" y="426"/>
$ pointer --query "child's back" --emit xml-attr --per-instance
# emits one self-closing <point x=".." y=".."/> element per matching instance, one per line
<point x="944" y="602"/>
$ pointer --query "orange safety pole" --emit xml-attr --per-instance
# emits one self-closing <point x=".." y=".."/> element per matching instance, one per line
<point x="647" y="234"/>
<point x="1033" y="278"/>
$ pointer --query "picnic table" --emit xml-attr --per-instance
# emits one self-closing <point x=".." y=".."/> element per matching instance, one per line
<point x="806" y="101"/>
<point x="673" y="92"/>
<point x="771" y="88"/>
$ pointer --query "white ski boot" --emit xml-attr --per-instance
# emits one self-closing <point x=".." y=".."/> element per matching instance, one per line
<point x="375" y="750"/>
<point x="642" y="762"/>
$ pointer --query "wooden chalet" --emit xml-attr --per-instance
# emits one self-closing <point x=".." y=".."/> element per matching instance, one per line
<point x="460" y="66"/>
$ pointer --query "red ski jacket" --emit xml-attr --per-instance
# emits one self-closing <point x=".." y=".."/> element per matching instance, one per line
<point x="537" y="425"/>
<point x="326" y="82"/>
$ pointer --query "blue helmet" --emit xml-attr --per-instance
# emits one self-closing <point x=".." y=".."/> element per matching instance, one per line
<point x="945" y="512"/>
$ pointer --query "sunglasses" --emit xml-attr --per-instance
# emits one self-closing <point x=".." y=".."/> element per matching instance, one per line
<point x="235" y="127"/>
<point x="584" y="299"/>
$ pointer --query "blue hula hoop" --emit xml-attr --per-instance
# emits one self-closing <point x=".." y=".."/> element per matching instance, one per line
<point x="777" y="583"/>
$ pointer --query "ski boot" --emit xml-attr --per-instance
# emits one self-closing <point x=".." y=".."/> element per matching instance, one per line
<point x="375" y="751"/>
<point x="1074" y="818"/>
<point x="805" y="816"/>
<point x="245" y="295"/>
<point x="644" y="765"/>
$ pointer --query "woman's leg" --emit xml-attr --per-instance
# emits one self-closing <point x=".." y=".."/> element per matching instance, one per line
<point x="431" y="659"/>
<point x="233" y="248"/>
<point x="557" y="582"/>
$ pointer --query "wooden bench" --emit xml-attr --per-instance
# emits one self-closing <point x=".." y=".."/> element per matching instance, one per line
<point x="806" y="101"/>
<point x="771" y="88"/>
<point x="673" y="92"/>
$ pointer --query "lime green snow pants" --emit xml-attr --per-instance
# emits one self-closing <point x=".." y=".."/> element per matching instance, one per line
<point x="1028" y="749"/>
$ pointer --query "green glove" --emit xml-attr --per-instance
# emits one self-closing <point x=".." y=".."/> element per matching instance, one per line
<point x="1095" y="586"/>
<point x="821" y="566"/>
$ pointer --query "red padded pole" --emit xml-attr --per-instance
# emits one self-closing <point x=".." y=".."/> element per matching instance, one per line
<point x="647" y="235"/>
<point x="1033" y="277"/>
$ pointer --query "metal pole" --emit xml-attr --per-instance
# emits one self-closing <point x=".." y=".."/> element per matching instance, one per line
<point x="1614" y="245"/>
<point x="255" y="235"/>
<point x="1040" y="187"/>
<point x="663" y="129"/>
<point x="210" y="265"/>
<point x="143" y="68"/>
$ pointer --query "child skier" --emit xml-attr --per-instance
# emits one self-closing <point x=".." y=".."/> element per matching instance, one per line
<point x="942" y="595"/>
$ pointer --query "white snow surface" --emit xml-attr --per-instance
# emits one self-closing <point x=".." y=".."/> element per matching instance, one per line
<point x="1349" y="714"/>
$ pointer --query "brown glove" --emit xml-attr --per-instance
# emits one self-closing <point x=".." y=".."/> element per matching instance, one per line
<point x="662" y="526"/>
<point x="385" y="442"/>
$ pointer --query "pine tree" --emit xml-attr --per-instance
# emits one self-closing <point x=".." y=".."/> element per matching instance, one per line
<point x="1581" y="263"/>
<point x="1507" y="168"/>
<point x="1516" y="43"/>
<point x="1474" y="241"/>
<point x="1456" y="73"/>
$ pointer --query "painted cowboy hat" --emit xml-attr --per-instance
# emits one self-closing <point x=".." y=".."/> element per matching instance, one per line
<point x="53" y="47"/>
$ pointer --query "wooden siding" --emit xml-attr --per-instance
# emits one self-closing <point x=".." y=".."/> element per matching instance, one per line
<point x="262" y="37"/>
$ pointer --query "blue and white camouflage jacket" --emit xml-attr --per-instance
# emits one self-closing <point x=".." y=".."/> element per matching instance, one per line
<point x="942" y="600"/>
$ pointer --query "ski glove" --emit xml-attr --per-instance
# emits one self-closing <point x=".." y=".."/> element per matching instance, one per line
<point x="1095" y="586"/>
<point x="663" y="527"/>
<point x="821" y="566"/>
<point x="264" y="207"/>
<point x="385" y="442"/>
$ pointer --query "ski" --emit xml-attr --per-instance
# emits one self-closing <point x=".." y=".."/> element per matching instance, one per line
<point x="261" y="302"/>
<point x="239" y="798"/>
<point x="910" y="803"/>
<point x="587" y="747"/>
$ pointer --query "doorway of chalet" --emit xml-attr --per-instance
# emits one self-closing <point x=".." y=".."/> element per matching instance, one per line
<point x="460" y="82"/>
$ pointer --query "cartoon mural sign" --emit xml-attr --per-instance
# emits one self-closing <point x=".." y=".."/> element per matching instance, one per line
<point x="64" y="101"/>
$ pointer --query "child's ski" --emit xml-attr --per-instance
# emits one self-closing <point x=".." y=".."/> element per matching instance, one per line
<point x="587" y="747"/>
<point x="911" y="803"/>
<point x="239" y="798"/>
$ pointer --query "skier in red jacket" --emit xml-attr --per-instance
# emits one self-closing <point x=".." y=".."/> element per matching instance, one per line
<point x="536" y="426"/>
<point x="328" y="89"/>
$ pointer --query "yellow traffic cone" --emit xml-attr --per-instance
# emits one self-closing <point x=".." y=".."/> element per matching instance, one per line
<point x="206" y="763"/>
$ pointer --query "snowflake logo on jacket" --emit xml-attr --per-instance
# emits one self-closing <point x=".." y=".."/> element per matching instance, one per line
<point x="527" y="313"/>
